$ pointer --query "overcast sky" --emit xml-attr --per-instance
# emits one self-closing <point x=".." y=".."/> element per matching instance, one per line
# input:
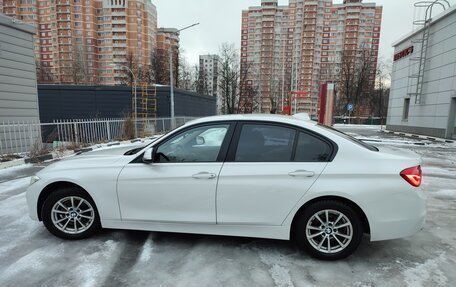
<point x="220" y="21"/>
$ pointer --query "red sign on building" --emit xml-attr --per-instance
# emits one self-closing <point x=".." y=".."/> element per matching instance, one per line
<point x="403" y="53"/>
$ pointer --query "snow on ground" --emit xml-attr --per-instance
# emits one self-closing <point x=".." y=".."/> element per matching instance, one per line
<point x="11" y="170"/>
<point x="31" y="256"/>
<point x="15" y="184"/>
<point x="370" y="127"/>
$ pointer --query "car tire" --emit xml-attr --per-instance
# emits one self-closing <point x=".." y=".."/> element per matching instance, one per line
<point x="70" y="213"/>
<point x="328" y="230"/>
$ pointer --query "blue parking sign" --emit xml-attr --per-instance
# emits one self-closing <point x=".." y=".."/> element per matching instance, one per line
<point x="350" y="107"/>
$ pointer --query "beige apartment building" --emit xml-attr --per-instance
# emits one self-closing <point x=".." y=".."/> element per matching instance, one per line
<point x="287" y="52"/>
<point x="167" y="40"/>
<point x="81" y="41"/>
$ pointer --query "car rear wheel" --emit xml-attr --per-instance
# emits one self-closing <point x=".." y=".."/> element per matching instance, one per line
<point x="329" y="230"/>
<point x="70" y="214"/>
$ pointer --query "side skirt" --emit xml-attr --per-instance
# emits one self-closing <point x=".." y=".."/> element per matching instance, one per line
<point x="272" y="232"/>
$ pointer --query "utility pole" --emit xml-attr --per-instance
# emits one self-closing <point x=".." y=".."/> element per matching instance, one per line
<point x="171" y="74"/>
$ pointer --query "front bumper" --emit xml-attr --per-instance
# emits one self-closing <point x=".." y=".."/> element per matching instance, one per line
<point x="32" y="194"/>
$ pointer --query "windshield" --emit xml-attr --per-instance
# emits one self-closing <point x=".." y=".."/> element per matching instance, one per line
<point x="348" y="137"/>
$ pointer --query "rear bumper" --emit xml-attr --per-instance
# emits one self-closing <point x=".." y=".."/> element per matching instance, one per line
<point x="402" y="215"/>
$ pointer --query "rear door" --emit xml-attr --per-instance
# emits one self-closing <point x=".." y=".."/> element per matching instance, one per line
<point x="268" y="169"/>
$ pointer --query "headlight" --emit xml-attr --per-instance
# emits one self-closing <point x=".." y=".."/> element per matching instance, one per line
<point x="34" y="179"/>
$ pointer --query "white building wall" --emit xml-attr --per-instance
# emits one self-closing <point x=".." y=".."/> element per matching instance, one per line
<point x="434" y="116"/>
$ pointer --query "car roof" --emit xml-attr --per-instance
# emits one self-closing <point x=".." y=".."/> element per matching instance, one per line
<point x="299" y="121"/>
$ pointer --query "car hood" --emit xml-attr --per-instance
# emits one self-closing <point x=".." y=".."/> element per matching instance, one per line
<point x="110" y="151"/>
<point x="102" y="158"/>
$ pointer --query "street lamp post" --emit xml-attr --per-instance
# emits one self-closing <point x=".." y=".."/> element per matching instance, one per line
<point x="171" y="84"/>
<point x="135" y="102"/>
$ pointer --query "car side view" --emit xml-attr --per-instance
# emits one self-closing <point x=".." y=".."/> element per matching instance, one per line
<point x="264" y="176"/>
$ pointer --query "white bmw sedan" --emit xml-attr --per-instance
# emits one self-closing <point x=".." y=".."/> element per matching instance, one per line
<point x="261" y="176"/>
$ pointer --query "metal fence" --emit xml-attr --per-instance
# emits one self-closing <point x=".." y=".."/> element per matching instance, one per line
<point x="360" y="120"/>
<point x="30" y="137"/>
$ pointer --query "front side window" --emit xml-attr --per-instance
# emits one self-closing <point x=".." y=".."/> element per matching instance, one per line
<point x="201" y="144"/>
<point x="264" y="143"/>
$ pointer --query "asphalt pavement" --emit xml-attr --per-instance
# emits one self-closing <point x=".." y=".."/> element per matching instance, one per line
<point x="31" y="256"/>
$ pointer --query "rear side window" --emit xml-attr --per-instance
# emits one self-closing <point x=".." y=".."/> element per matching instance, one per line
<point x="312" y="149"/>
<point x="265" y="143"/>
<point x="350" y="138"/>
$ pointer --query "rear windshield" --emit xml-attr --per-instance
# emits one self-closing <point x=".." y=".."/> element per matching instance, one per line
<point x="350" y="138"/>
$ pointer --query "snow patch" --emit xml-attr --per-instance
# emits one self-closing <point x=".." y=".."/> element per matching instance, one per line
<point x="373" y="127"/>
<point x="14" y="184"/>
<point x="34" y="261"/>
<point x="278" y="268"/>
<point x="146" y="252"/>
<point x="93" y="265"/>
<point x="15" y="169"/>
<point x="445" y="194"/>
<point x="437" y="171"/>
<point x="428" y="271"/>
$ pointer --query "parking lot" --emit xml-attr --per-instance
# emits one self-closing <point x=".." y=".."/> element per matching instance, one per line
<point x="31" y="256"/>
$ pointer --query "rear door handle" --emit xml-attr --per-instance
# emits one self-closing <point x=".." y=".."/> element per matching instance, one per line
<point x="204" y="175"/>
<point x="301" y="173"/>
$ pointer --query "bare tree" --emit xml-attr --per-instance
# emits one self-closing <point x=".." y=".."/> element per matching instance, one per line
<point x="43" y="73"/>
<point x="202" y="87"/>
<point x="79" y="68"/>
<point x="356" y="78"/>
<point x="160" y="60"/>
<point x="377" y="101"/>
<point x="186" y="77"/>
<point x="230" y="78"/>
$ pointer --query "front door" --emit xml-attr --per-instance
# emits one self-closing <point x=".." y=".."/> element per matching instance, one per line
<point x="180" y="185"/>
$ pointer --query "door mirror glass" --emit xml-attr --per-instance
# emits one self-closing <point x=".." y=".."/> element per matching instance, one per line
<point x="148" y="156"/>
<point x="200" y="140"/>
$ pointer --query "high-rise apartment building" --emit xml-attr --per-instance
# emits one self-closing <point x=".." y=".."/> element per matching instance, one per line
<point x="287" y="52"/>
<point x="209" y="80"/>
<point x="167" y="40"/>
<point x="82" y="41"/>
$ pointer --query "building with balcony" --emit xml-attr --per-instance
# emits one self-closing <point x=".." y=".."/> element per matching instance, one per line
<point x="287" y="52"/>
<point x="167" y="41"/>
<point x="76" y="41"/>
<point x="209" y="79"/>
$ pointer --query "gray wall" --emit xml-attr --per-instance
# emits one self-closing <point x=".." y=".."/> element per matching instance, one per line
<point x="18" y="92"/>
<point x="433" y="116"/>
<point x="88" y="102"/>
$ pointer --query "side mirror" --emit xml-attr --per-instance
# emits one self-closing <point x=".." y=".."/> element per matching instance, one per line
<point x="200" y="140"/>
<point x="148" y="156"/>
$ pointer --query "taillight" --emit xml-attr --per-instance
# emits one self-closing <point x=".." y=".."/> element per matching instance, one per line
<point x="412" y="175"/>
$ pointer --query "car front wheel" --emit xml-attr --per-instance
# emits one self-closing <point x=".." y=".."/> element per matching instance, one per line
<point x="70" y="214"/>
<point x="329" y="230"/>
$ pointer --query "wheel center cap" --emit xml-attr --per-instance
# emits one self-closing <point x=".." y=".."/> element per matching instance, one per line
<point x="328" y="230"/>
<point x="73" y="214"/>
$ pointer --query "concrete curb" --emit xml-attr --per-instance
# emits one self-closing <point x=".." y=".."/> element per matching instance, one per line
<point x="418" y="136"/>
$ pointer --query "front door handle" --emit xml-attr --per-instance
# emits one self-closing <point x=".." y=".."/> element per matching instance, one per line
<point x="301" y="173"/>
<point x="204" y="175"/>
